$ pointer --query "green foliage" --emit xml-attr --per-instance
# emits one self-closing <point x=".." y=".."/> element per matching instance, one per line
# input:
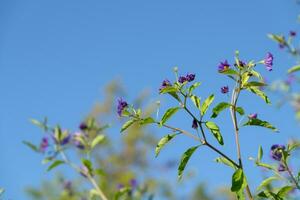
<point x="206" y="104"/>
<point x="238" y="181"/>
<point x="214" y="129"/>
<point x="294" y="69"/>
<point x="127" y="124"/>
<point x="31" y="146"/>
<point x="219" y="108"/>
<point x="258" y="122"/>
<point x="163" y="141"/>
<point x="168" y="114"/>
<point x="184" y="160"/>
<point x="55" y="164"/>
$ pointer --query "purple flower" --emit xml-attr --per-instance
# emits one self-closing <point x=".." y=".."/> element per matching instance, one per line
<point x="44" y="144"/>
<point x="281" y="168"/>
<point x="83" y="126"/>
<point x="225" y="89"/>
<point x="276" y="151"/>
<point x="293" y="33"/>
<point x="78" y="139"/>
<point x="253" y="116"/>
<point x="66" y="139"/>
<point x="120" y="186"/>
<point x="268" y="61"/>
<point x="165" y="84"/>
<point x="195" y="124"/>
<point x="190" y="77"/>
<point x="223" y="66"/>
<point x="121" y="106"/>
<point x="182" y="79"/>
<point x="133" y="183"/>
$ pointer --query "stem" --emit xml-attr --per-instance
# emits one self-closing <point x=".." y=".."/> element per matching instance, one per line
<point x="90" y="178"/>
<point x="235" y="95"/>
<point x="291" y="175"/>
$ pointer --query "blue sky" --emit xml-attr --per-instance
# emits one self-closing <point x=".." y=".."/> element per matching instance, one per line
<point x="56" y="56"/>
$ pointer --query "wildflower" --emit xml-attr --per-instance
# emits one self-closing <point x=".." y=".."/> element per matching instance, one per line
<point x="83" y="126"/>
<point x="241" y="64"/>
<point x="293" y="33"/>
<point x="195" y="124"/>
<point x="277" y="151"/>
<point x="281" y="168"/>
<point x="165" y="84"/>
<point x="121" y="106"/>
<point x="133" y="183"/>
<point x="78" y="140"/>
<point x="190" y="77"/>
<point x="44" y="144"/>
<point x="253" y="116"/>
<point x="182" y="79"/>
<point x="120" y="186"/>
<point x="225" y="89"/>
<point x="268" y="61"/>
<point x="223" y="66"/>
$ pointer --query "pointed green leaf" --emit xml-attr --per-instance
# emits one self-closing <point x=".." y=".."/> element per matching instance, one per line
<point x="219" y="108"/>
<point x="238" y="181"/>
<point x="214" y="129"/>
<point x="225" y="162"/>
<point x="230" y="72"/>
<point x="240" y="110"/>
<point x="168" y="89"/>
<point x="194" y="86"/>
<point x="206" y="104"/>
<point x="196" y="101"/>
<point x="148" y="120"/>
<point x="31" y="146"/>
<point x="260" y="153"/>
<point x="55" y="164"/>
<point x="266" y="182"/>
<point x="162" y="142"/>
<point x="169" y="113"/>
<point x="294" y="69"/>
<point x="259" y="93"/>
<point x="88" y="164"/>
<point x="184" y="159"/>
<point x="254" y="83"/>
<point x="284" y="191"/>
<point x="258" y="122"/>
<point x="127" y="124"/>
<point x="98" y="139"/>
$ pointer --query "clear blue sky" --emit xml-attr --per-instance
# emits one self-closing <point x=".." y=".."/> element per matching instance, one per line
<point x="55" y="56"/>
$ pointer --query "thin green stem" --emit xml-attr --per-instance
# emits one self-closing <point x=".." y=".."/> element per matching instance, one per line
<point x="291" y="175"/>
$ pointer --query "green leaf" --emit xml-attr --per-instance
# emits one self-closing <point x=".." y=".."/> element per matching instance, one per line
<point x="168" y="89"/>
<point x="258" y="122"/>
<point x="196" y="100"/>
<point x="55" y="164"/>
<point x="123" y="192"/>
<point x="184" y="159"/>
<point x="240" y="110"/>
<point x="278" y="38"/>
<point x="256" y="74"/>
<point x="266" y="182"/>
<point x="194" y="86"/>
<point x="264" y="165"/>
<point x="230" y="72"/>
<point x="259" y="93"/>
<point x="284" y="191"/>
<point x="214" y="129"/>
<point x="238" y="181"/>
<point x="162" y="142"/>
<point x="98" y="139"/>
<point x="225" y="162"/>
<point x="42" y="125"/>
<point x="88" y="164"/>
<point x="254" y="83"/>
<point x="294" y="69"/>
<point x="169" y="113"/>
<point x="31" y="146"/>
<point x="148" y="120"/>
<point x="127" y="124"/>
<point x="260" y="153"/>
<point x="219" y="108"/>
<point x="206" y="104"/>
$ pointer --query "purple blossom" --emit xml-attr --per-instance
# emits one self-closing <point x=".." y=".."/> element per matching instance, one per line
<point x="182" y="79"/>
<point x="121" y="106"/>
<point x="293" y="33"/>
<point x="276" y="151"/>
<point x="77" y="140"/>
<point x="281" y="168"/>
<point x="133" y="183"/>
<point x="195" y="124"/>
<point x="253" y="116"/>
<point x="165" y="84"/>
<point x="65" y="140"/>
<point x="223" y="66"/>
<point x="120" y="186"/>
<point x="44" y="144"/>
<point x="83" y="126"/>
<point x="224" y="89"/>
<point x="268" y="61"/>
<point x="190" y="77"/>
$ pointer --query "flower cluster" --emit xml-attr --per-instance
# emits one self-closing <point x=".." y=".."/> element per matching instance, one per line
<point x="189" y="78"/>
<point x="268" y="61"/>
<point x="165" y="84"/>
<point x="121" y="106"/>
<point x="223" y="66"/>
<point x="277" y="151"/>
